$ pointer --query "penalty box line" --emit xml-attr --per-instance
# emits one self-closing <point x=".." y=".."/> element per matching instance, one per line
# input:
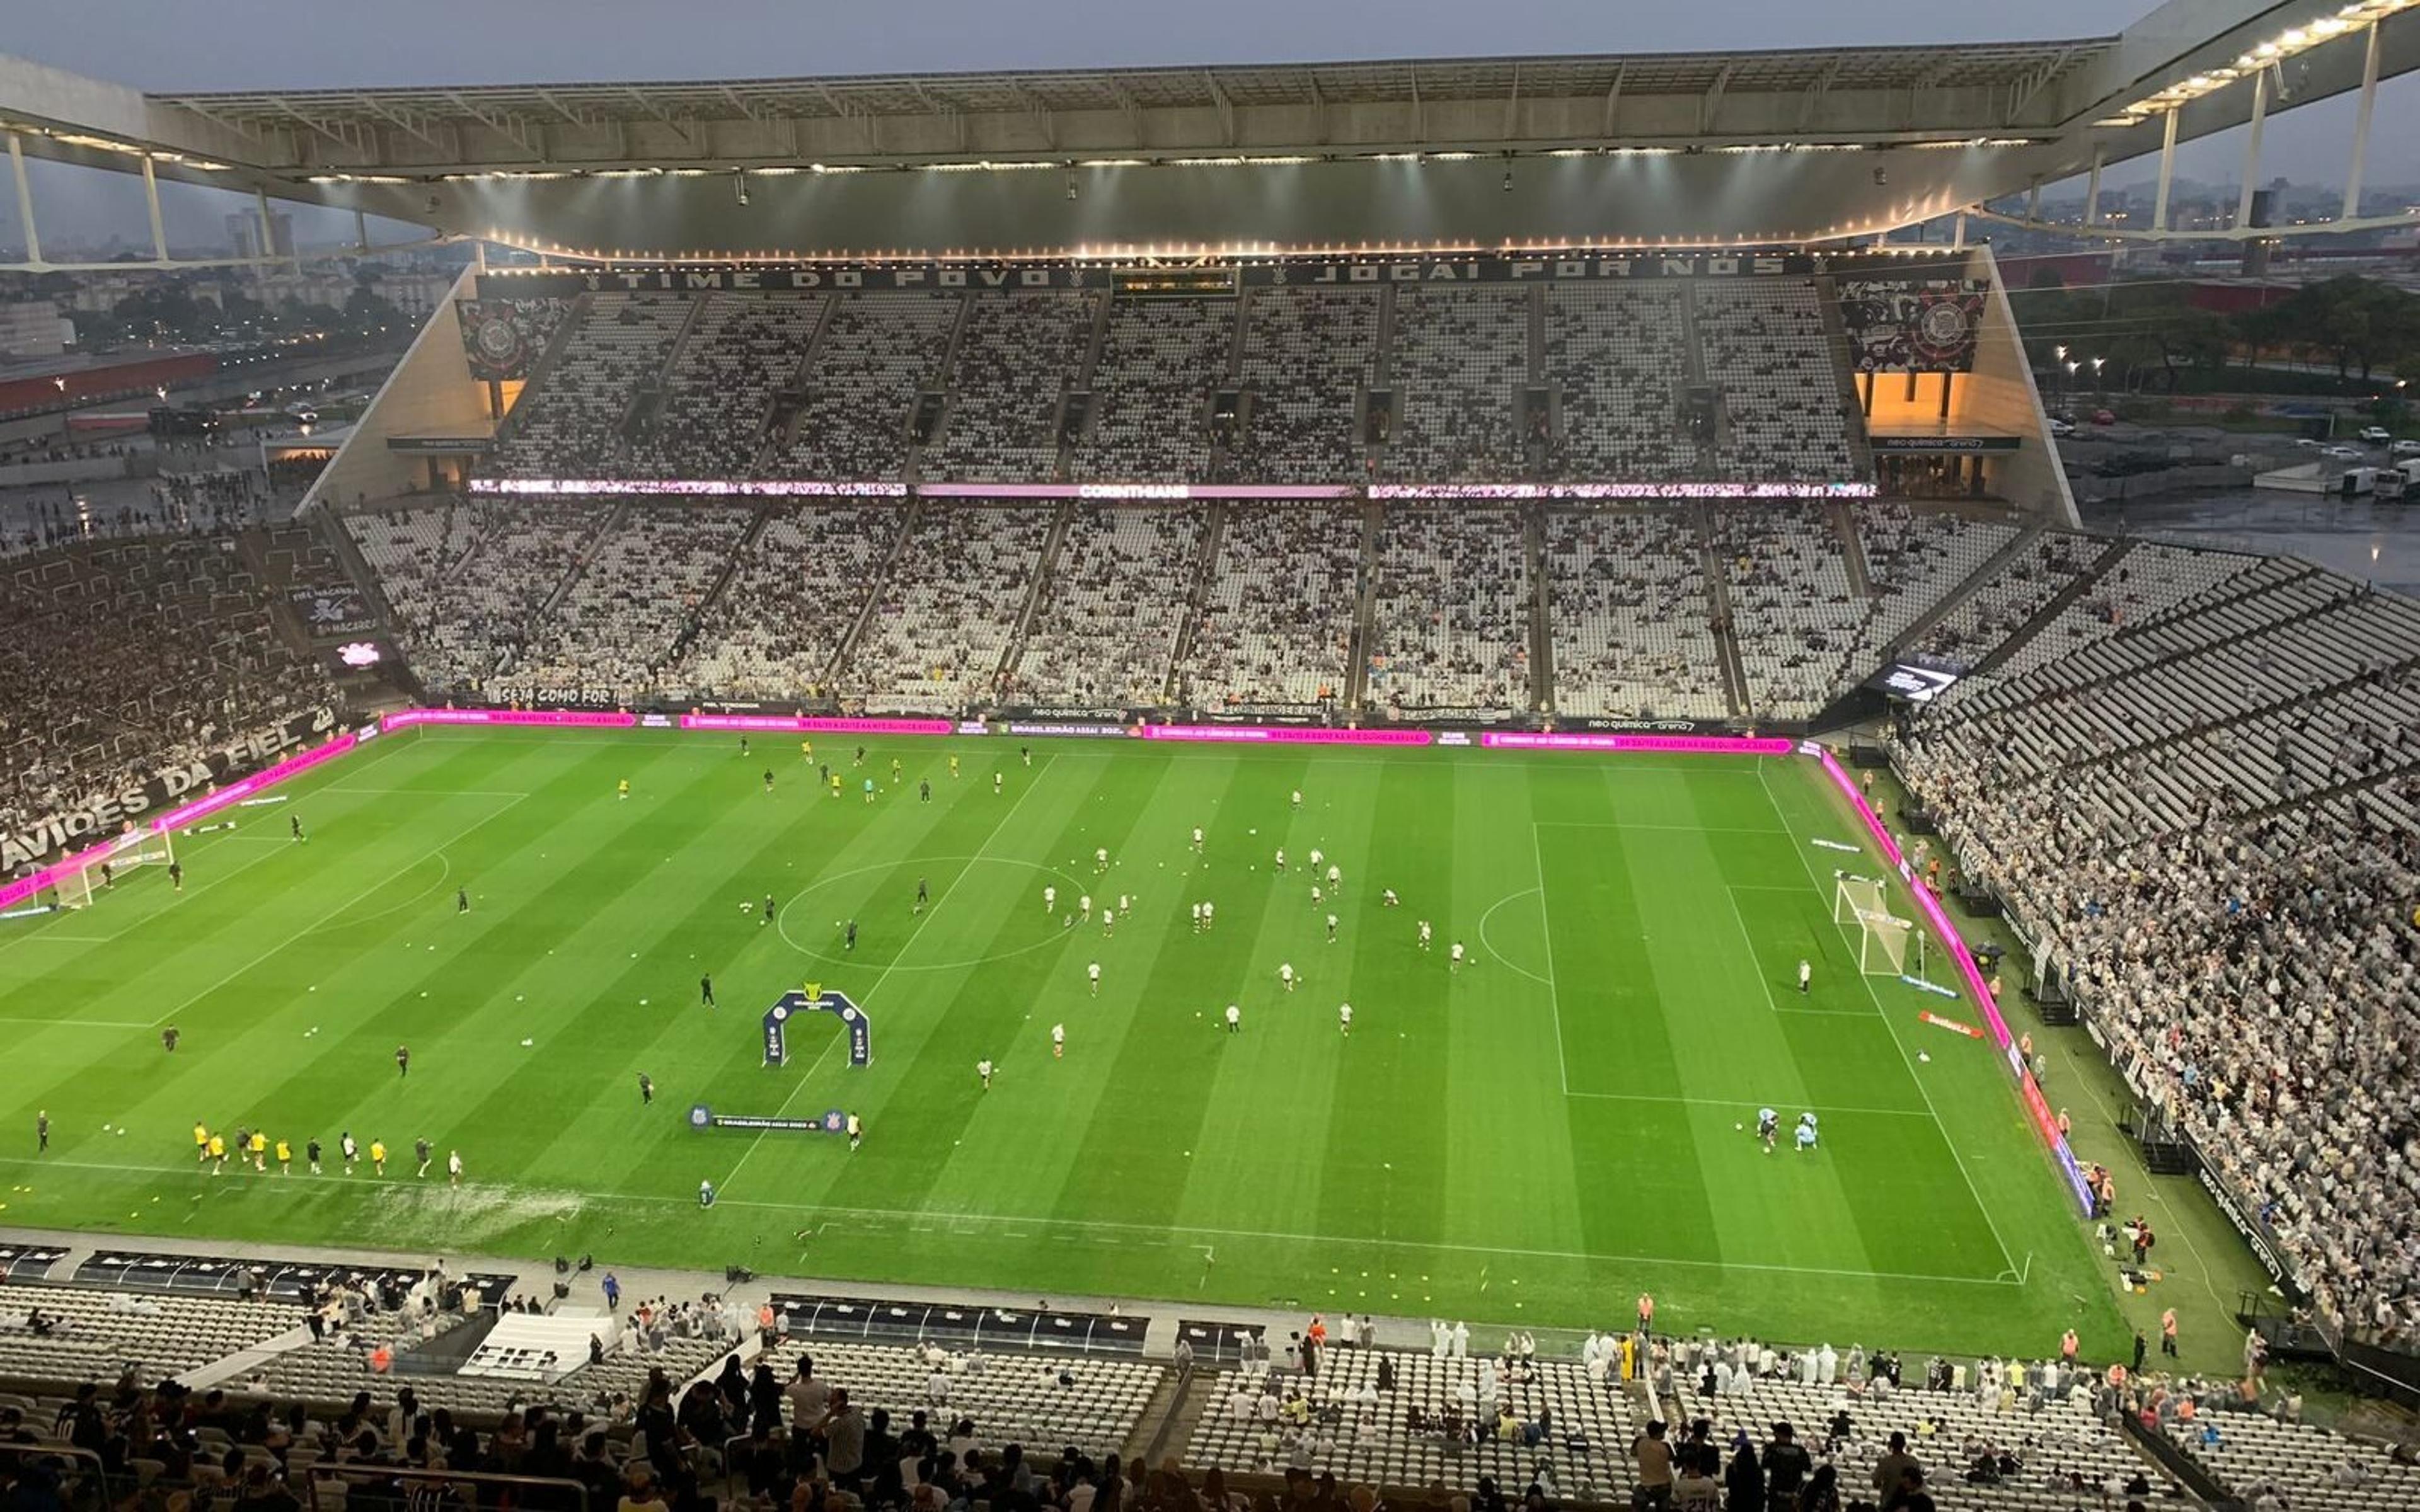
<point x="1173" y="1232"/>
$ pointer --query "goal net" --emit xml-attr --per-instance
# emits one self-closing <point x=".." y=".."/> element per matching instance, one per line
<point x="107" y="868"/>
<point x="1882" y="937"/>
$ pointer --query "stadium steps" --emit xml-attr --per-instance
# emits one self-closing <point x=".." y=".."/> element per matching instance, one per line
<point x="252" y="549"/>
<point x="2337" y="790"/>
<point x="939" y="384"/>
<point x="831" y="678"/>
<point x="1836" y="336"/>
<point x="1063" y="461"/>
<point x="328" y="526"/>
<point x="2048" y="614"/>
<point x="1167" y="1418"/>
<point x="1853" y="548"/>
<point x="1381" y="358"/>
<point x="1693" y="375"/>
<point x="1015" y="651"/>
<point x="2235" y="590"/>
<point x="731" y="565"/>
<point x="1718" y="604"/>
<point x="1365" y="593"/>
<point x="1998" y="563"/>
<point x="1197" y="595"/>
<point x="2203" y="726"/>
<point x="1541" y="635"/>
<point x="793" y="394"/>
<point x="536" y="382"/>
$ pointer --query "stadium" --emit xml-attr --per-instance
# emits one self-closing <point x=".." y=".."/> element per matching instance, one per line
<point x="1141" y="756"/>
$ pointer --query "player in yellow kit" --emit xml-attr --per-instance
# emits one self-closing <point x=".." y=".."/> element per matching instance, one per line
<point x="622" y="789"/>
<point x="201" y="1142"/>
<point x="218" y="1154"/>
<point x="260" y="1150"/>
<point x="378" y="1155"/>
<point x="954" y="768"/>
<point x="807" y="749"/>
<point x="284" y="1158"/>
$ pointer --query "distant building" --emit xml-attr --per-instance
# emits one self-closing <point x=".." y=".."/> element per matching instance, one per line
<point x="31" y="329"/>
<point x="243" y="231"/>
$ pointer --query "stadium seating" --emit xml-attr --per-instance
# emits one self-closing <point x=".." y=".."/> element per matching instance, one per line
<point x="1358" y="1432"/>
<point x="1161" y="361"/>
<point x="521" y="555"/>
<point x="2302" y="1465"/>
<point x="876" y="353"/>
<point x="1766" y="349"/>
<point x="1633" y="626"/>
<point x="945" y="615"/>
<point x="2011" y="599"/>
<point x="570" y="426"/>
<point x="636" y="589"/>
<point x="1106" y="623"/>
<point x="1616" y="357"/>
<point x="121" y="657"/>
<point x="1277" y="625"/>
<point x="1790" y="603"/>
<point x="1013" y="1399"/>
<point x="91" y="1334"/>
<point x="1913" y="561"/>
<point x="2146" y="800"/>
<point x="1308" y="356"/>
<point x="743" y="349"/>
<point x="789" y="603"/>
<point x="1016" y="357"/>
<point x="1459" y="359"/>
<point x="1450" y="611"/>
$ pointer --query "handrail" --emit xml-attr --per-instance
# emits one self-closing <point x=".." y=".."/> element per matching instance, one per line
<point x="438" y="1481"/>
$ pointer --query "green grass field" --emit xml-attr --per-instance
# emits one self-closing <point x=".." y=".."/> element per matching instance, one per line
<point x="1533" y="1138"/>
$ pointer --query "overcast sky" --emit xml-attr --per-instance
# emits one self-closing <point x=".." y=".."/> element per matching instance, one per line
<point x="230" y="44"/>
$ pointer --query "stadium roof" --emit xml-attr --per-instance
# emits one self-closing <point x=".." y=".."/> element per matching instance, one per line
<point x="1647" y="149"/>
<point x="2018" y="71"/>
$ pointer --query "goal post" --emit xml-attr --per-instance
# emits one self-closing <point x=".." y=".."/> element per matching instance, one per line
<point x="103" y="866"/>
<point x="1882" y="937"/>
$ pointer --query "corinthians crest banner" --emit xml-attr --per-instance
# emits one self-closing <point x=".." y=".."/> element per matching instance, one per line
<point x="503" y="338"/>
<point x="1912" y="325"/>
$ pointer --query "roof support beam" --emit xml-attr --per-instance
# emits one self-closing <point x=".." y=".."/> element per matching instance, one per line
<point x="1613" y="97"/>
<point x="1226" y="108"/>
<point x="512" y="127"/>
<point x="1318" y="109"/>
<point x="1713" y="100"/>
<point x="1419" y="112"/>
<point x="1512" y="107"/>
<point x="334" y="133"/>
<point x="398" y="118"/>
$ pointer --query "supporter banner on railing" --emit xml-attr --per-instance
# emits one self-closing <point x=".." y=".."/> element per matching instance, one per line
<point x="103" y="814"/>
<point x="1612" y="267"/>
<point x="258" y="782"/>
<point x="328" y="612"/>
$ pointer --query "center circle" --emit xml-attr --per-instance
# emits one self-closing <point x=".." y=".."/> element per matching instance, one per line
<point x="970" y="863"/>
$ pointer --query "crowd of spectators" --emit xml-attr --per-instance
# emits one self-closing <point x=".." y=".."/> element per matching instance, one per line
<point x="1616" y="357"/>
<point x="789" y="603"/>
<point x="570" y="423"/>
<point x="120" y="658"/>
<point x="1105" y="622"/>
<point x="1160" y="363"/>
<point x="742" y="350"/>
<point x="1450" y="611"/>
<point x="1458" y="362"/>
<point x="1633" y="626"/>
<point x="1277" y="619"/>
<point x="948" y="606"/>
<point x="1018" y="355"/>
<point x="1782" y="376"/>
<point x="878" y="352"/>
<point x="1308" y="358"/>
<point x="638" y="587"/>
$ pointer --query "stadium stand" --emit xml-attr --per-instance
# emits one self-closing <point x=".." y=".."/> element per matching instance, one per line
<point x="1018" y="356"/>
<point x="945" y="615"/>
<point x="1450" y="611"/>
<point x="2262" y="1459"/>
<point x="2145" y="802"/>
<point x="574" y="420"/>
<point x="1276" y="623"/>
<point x="1105" y="625"/>
<point x="75" y="1334"/>
<point x="490" y="601"/>
<point x="635" y="590"/>
<point x="1458" y="360"/>
<point x="122" y="657"/>
<point x="2008" y="601"/>
<point x="772" y="631"/>
<point x="1160" y="360"/>
<point x="1616" y="358"/>
<point x="1791" y="608"/>
<point x="1914" y="561"/>
<point x="1090" y="1402"/>
<point x="742" y="350"/>
<point x="1633" y="626"/>
<point x="1766" y="349"/>
<point x="876" y="353"/>
<point x="1405" y="1419"/>
<point x="1308" y="357"/>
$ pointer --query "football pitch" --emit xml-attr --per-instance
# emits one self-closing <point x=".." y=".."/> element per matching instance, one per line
<point x="1530" y="1138"/>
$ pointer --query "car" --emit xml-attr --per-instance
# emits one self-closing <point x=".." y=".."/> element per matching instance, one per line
<point x="2404" y="449"/>
<point x="2311" y="441"/>
<point x="2342" y="453"/>
<point x="2376" y="435"/>
<point x="2104" y="417"/>
<point x="2060" y="425"/>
